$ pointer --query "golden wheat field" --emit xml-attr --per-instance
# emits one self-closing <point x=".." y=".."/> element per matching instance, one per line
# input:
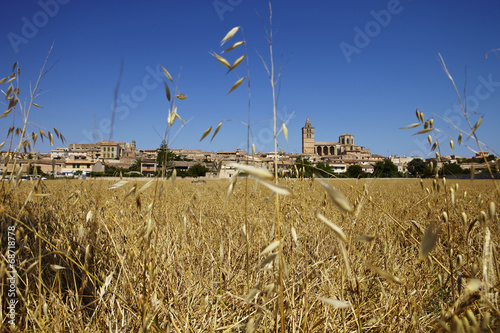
<point x="126" y="256"/>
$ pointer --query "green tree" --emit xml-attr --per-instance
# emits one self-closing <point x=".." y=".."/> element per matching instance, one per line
<point x="385" y="169"/>
<point x="161" y="154"/>
<point x="479" y="159"/>
<point x="197" y="170"/>
<point x="452" y="169"/>
<point x="164" y="156"/>
<point x="416" y="167"/>
<point x="322" y="170"/>
<point x="354" y="171"/>
<point x="492" y="167"/>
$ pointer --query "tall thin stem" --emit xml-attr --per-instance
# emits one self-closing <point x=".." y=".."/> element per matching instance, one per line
<point x="247" y="263"/>
<point x="278" y="226"/>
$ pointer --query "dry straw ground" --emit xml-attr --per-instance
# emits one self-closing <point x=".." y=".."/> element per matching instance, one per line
<point x="166" y="257"/>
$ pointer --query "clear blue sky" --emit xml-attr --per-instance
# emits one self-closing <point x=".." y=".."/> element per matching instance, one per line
<point x="358" y="67"/>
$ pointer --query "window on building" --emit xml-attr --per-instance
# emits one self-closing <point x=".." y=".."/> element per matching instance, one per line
<point x="113" y="149"/>
<point x="88" y="166"/>
<point x="74" y="166"/>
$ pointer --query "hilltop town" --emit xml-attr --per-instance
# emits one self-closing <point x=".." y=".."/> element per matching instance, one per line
<point x="123" y="158"/>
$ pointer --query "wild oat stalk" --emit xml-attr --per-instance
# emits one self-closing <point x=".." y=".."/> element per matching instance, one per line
<point x="272" y="81"/>
<point x="26" y="143"/>
<point x="171" y="117"/>
<point x="474" y="127"/>
<point x="429" y="126"/>
<point x="458" y="300"/>
<point x="230" y="67"/>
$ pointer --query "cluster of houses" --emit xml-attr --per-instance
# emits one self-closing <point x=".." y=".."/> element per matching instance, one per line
<point x="92" y="157"/>
<point x="85" y="158"/>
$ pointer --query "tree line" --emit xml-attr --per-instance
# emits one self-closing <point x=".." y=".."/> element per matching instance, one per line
<point x="382" y="169"/>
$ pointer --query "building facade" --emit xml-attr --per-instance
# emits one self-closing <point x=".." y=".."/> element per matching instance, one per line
<point x="106" y="150"/>
<point x="59" y="153"/>
<point x="84" y="165"/>
<point x="345" y="148"/>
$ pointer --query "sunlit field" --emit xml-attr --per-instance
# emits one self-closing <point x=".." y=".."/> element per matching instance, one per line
<point x="165" y="257"/>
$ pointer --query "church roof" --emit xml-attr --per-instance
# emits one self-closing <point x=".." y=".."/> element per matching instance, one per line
<point x="317" y="143"/>
<point x="308" y="123"/>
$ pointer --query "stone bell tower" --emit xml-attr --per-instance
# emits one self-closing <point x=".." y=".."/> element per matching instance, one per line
<point x="308" y="138"/>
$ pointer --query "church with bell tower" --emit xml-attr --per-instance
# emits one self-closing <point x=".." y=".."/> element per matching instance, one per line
<point x="344" y="148"/>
